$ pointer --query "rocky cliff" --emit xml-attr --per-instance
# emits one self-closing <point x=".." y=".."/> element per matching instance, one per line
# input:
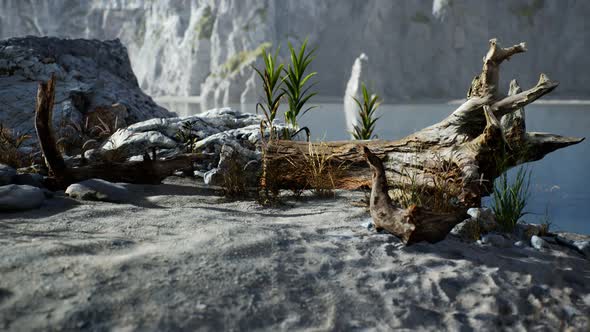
<point x="418" y="49"/>
<point x="95" y="83"/>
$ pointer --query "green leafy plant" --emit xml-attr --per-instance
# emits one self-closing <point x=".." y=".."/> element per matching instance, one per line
<point x="368" y="107"/>
<point x="296" y="91"/>
<point x="271" y="83"/>
<point x="510" y="199"/>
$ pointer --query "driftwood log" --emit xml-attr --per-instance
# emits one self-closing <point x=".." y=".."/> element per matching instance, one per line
<point x="148" y="171"/>
<point x="470" y="148"/>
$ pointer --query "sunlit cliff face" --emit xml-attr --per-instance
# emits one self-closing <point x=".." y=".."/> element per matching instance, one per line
<point x="417" y="50"/>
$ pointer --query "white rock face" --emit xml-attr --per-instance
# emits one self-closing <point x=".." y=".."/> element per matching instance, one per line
<point x="418" y="49"/>
<point x="92" y="76"/>
<point x="358" y="76"/>
<point x="20" y="197"/>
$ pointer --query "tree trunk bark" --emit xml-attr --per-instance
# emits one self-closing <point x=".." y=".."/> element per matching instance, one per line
<point x="463" y="153"/>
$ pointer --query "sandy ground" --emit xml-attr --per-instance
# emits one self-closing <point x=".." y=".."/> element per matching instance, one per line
<point x="181" y="258"/>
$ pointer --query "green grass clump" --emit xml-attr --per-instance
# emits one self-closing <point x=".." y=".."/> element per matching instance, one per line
<point x="297" y="94"/>
<point x="271" y="83"/>
<point x="367" y="108"/>
<point x="510" y="199"/>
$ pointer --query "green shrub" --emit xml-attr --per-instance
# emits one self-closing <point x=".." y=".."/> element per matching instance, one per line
<point x="367" y="108"/>
<point x="297" y="94"/>
<point x="510" y="199"/>
<point x="271" y="83"/>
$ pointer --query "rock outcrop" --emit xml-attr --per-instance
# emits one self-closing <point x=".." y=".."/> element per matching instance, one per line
<point x="94" y="80"/>
<point x="358" y="77"/>
<point x="213" y="131"/>
<point x="177" y="45"/>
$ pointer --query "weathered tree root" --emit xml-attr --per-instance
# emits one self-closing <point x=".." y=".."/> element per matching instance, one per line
<point x="411" y="225"/>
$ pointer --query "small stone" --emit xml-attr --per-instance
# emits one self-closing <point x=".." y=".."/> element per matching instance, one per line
<point x="519" y="244"/>
<point x="98" y="190"/>
<point x="368" y="224"/>
<point x="7" y="174"/>
<point x="20" y="197"/>
<point x="538" y="243"/>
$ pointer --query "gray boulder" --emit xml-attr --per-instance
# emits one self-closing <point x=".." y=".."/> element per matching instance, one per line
<point x="94" y="78"/>
<point x="98" y="190"/>
<point x="7" y="174"/>
<point x="538" y="243"/>
<point x="20" y="197"/>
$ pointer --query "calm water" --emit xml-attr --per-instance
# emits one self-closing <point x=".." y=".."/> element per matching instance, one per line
<point x="560" y="181"/>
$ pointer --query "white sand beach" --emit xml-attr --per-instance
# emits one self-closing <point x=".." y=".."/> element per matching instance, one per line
<point x="182" y="258"/>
